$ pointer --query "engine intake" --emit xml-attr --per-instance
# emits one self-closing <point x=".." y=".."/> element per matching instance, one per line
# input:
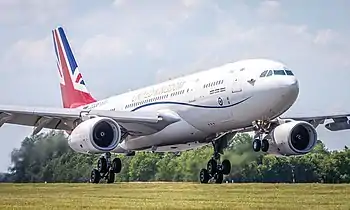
<point x="300" y="137"/>
<point x="95" y="135"/>
<point x="103" y="134"/>
<point x="294" y="138"/>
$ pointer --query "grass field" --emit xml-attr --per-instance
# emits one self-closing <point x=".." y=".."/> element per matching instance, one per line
<point x="174" y="196"/>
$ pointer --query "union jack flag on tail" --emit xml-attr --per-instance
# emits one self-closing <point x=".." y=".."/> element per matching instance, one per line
<point x="73" y="89"/>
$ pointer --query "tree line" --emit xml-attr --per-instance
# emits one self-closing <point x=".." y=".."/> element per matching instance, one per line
<point x="47" y="157"/>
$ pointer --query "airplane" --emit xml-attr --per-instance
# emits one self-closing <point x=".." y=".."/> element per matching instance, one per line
<point x="188" y="112"/>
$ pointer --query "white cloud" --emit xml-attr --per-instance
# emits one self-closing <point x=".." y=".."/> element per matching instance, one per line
<point x="118" y="3"/>
<point x="270" y="9"/>
<point x="30" y="53"/>
<point x="182" y="36"/>
<point x="155" y="48"/>
<point x="191" y="3"/>
<point x="31" y="12"/>
<point x="325" y="36"/>
<point x="102" y="47"/>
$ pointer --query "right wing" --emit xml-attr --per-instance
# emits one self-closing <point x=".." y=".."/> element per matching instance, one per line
<point x="134" y="123"/>
<point x="338" y="122"/>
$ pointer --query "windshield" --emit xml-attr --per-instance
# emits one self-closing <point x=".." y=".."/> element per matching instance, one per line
<point x="268" y="73"/>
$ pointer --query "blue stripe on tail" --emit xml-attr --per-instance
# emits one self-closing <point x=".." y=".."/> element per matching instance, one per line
<point x="67" y="50"/>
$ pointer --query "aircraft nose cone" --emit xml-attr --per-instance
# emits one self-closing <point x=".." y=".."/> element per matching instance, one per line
<point x="290" y="86"/>
<point x="290" y="82"/>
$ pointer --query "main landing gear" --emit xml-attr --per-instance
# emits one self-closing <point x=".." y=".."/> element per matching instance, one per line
<point x="215" y="169"/>
<point x="106" y="169"/>
<point x="262" y="129"/>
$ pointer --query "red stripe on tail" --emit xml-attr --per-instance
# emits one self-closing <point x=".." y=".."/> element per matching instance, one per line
<point x="71" y="97"/>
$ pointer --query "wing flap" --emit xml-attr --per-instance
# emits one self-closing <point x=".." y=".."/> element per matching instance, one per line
<point x="28" y="116"/>
<point x="135" y="123"/>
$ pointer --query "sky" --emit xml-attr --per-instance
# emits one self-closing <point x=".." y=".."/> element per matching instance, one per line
<point x="127" y="44"/>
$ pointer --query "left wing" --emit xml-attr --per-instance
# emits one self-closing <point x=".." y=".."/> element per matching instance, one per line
<point x="134" y="123"/>
<point x="338" y="122"/>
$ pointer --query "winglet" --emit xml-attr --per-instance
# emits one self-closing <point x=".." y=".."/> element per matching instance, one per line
<point x="73" y="89"/>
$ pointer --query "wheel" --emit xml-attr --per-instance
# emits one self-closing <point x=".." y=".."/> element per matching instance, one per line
<point x="256" y="145"/>
<point x="219" y="177"/>
<point x="212" y="166"/>
<point x="264" y="145"/>
<point x="111" y="177"/>
<point x="116" y="165"/>
<point x="102" y="165"/>
<point x="95" y="176"/>
<point x="204" y="176"/>
<point x="226" y="167"/>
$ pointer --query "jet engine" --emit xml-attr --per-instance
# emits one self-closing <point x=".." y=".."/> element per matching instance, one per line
<point x="99" y="134"/>
<point x="294" y="138"/>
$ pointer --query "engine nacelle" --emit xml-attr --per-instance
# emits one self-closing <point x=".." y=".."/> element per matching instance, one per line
<point x="99" y="134"/>
<point x="294" y="138"/>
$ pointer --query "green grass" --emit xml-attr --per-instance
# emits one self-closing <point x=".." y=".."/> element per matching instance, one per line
<point x="174" y="196"/>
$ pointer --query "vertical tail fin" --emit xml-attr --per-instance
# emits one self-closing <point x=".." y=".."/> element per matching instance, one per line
<point x="73" y="89"/>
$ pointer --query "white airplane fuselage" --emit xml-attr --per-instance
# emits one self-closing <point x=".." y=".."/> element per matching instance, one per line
<point x="221" y="99"/>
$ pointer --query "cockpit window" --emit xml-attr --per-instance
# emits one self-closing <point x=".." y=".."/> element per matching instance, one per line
<point x="289" y="72"/>
<point x="263" y="74"/>
<point x="279" y="72"/>
<point x="269" y="74"/>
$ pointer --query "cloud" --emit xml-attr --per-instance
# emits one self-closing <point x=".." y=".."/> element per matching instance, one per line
<point x="270" y="10"/>
<point x="191" y="3"/>
<point x="325" y="36"/>
<point x="118" y="3"/>
<point x="29" y="53"/>
<point x="102" y="47"/>
<point x="31" y="12"/>
<point x="155" y="48"/>
<point x="130" y="44"/>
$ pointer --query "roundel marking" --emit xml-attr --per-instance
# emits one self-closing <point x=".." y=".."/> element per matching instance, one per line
<point x="220" y="101"/>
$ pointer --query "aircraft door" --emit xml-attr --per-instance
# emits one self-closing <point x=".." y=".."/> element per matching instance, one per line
<point x="195" y="91"/>
<point x="236" y="92"/>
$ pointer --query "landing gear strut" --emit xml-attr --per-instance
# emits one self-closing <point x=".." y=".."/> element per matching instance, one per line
<point x="261" y="128"/>
<point x="215" y="169"/>
<point x="106" y="169"/>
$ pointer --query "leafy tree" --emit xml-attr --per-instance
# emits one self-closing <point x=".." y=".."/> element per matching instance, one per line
<point x="48" y="157"/>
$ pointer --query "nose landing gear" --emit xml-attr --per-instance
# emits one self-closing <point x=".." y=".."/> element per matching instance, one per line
<point x="261" y="128"/>
<point x="262" y="145"/>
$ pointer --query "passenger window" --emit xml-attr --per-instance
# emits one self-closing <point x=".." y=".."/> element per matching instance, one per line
<point x="289" y="72"/>
<point x="279" y="72"/>
<point x="263" y="74"/>
<point x="269" y="74"/>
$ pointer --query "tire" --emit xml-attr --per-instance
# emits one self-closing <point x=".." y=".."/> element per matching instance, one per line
<point x="95" y="176"/>
<point x="212" y="167"/>
<point x="111" y="177"/>
<point x="116" y="165"/>
<point x="102" y="165"/>
<point x="265" y="145"/>
<point x="226" y="167"/>
<point x="256" y="145"/>
<point x="219" y="177"/>
<point x="204" y="176"/>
